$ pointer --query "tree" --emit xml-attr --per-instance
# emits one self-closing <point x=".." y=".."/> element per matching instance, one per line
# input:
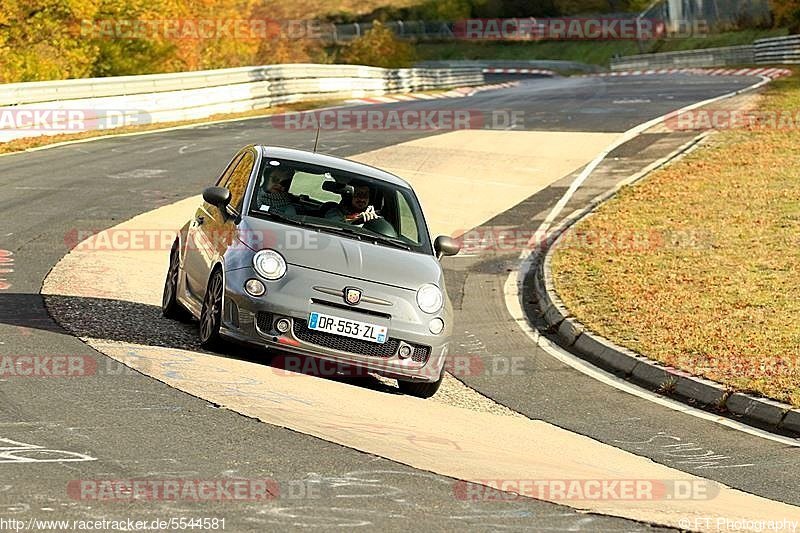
<point x="39" y="41"/>
<point x="787" y="14"/>
<point x="379" y="47"/>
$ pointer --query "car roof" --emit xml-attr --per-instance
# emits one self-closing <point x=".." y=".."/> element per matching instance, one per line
<point x="347" y="165"/>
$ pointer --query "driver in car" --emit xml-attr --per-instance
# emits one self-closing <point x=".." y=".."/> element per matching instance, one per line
<point x="354" y="209"/>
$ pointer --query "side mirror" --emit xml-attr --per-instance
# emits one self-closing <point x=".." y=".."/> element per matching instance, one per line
<point x="218" y="196"/>
<point x="444" y="245"/>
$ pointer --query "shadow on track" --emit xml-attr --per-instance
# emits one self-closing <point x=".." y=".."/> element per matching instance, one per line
<point x="137" y="323"/>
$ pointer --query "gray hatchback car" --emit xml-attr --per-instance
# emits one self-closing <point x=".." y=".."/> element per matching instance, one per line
<point x="316" y="256"/>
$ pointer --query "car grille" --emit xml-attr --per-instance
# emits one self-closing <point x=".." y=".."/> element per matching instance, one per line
<point x="264" y="321"/>
<point x="420" y="353"/>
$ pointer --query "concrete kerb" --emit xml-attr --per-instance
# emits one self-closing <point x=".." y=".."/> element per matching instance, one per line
<point x="765" y="411"/>
<point x="576" y="338"/>
<point x="791" y="421"/>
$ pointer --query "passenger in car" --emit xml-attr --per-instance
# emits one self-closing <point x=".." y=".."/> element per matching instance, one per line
<point x="273" y="194"/>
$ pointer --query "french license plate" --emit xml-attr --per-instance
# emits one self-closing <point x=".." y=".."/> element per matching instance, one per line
<point x="347" y="328"/>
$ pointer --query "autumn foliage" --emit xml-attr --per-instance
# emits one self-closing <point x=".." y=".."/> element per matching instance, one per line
<point x="47" y="39"/>
<point x="787" y="14"/>
<point x="380" y="48"/>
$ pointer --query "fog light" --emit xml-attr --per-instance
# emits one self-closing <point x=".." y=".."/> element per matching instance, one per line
<point x="405" y="351"/>
<point x="283" y="325"/>
<point x="254" y="287"/>
<point x="436" y="326"/>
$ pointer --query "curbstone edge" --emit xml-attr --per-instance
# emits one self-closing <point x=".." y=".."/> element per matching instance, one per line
<point x="759" y="410"/>
<point x="791" y="421"/>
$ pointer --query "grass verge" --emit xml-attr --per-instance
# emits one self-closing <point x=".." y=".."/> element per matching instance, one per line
<point x="698" y="266"/>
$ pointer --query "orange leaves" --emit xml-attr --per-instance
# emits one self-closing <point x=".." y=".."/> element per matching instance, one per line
<point x="380" y="48"/>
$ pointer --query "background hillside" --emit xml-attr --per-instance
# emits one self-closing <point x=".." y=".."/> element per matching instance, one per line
<point x="46" y="39"/>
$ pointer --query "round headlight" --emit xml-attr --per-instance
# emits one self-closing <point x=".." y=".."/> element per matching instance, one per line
<point x="429" y="298"/>
<point x="436" y="325"/>
<point x="269" y="264"/>
<point x="254" y="287"/>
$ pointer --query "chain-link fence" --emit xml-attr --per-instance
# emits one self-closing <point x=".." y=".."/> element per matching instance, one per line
<point x="663" y="18"/>
<point x="701" y="17"/>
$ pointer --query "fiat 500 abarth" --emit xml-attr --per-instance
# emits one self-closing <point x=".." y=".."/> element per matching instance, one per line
<point x="317" y="256"/>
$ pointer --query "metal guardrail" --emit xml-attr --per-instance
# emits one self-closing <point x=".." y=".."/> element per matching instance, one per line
<point x="192" y="95"/>
<point x="413" y="79"/>
<point x="550" y="64"/>
<point x="784" y="50"/>
<point x="770" y="51"/>
<point x="705" y="57"/>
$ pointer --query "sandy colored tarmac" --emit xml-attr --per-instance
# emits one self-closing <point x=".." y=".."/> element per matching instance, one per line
<point x="467" y="444"/>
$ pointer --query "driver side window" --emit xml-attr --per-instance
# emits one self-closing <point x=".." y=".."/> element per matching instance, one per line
<point x="239" y="180"/>
<point x="226" y="175"/>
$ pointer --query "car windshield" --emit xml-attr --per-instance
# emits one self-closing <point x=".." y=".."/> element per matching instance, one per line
<point x="332" y="200"/>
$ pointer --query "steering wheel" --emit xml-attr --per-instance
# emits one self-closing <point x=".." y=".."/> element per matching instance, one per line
<point x="381" y="226"/>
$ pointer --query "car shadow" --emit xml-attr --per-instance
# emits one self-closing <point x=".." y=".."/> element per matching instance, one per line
<point x="138" y="323"/>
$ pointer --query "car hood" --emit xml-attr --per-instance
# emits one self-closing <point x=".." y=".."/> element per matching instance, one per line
<point x="345" y="256"/>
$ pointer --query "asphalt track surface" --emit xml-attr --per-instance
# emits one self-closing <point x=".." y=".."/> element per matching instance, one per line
<point x="136" y="427"/>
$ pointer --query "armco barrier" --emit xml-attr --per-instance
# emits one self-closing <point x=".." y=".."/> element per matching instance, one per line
<point x="785" y="50"/>
<point x="520" y="64"/>
<point x="192" y="95"/>
<point x="706" y="57"/>
<point x="771" y="51"/>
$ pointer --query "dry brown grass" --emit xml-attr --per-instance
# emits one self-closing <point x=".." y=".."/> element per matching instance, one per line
<point x="723" y="301"/>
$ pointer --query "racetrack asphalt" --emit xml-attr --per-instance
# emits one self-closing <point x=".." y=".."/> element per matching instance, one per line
<point x="137" y="427"/>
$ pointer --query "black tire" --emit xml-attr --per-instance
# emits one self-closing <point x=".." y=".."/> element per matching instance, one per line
<point x="170" y="306"/>
<point x="418" y="388"/>
<point x="211" y="315"/>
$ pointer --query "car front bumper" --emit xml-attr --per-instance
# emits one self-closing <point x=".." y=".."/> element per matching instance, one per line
<point x="252" y="320"/>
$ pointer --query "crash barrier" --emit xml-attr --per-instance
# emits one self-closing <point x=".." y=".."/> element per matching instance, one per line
<point x="706" y="57"/>
<point x="784" y="50"/>
<point x="770" y="51"/>
<point x="68" y="106"/>
<point x="560" y="66"/>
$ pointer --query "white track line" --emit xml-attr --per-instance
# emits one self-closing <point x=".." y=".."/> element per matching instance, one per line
<point x="513" y="292"/>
